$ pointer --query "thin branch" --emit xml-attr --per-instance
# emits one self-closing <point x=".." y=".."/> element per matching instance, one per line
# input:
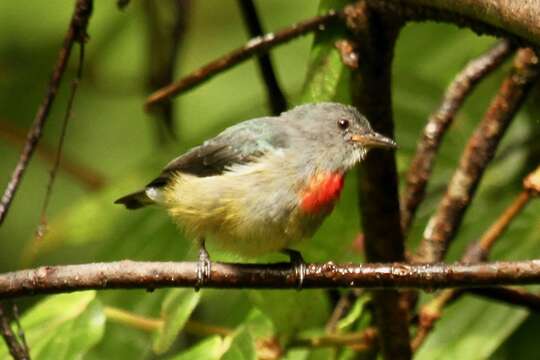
<point x="507" y="295"/>
<point x="76" y="33"/>
<point x="439" y="121"/>
<point x="166" y="27"/>
<point x="478" y="153"/>
<point x="342" y="307"/>
<point x="90" y="178"/>
<point x="58" y="156"/>
<point x="375" y="35"/>
<point x="361" y="340"/>
<point x="479" y="251"/>
<point x="153" y="324"/>
<point x="276" y="99"/>
<point x="16" y="345"/>
<point x="514" y="19"/>
<point x="253" y="47"/>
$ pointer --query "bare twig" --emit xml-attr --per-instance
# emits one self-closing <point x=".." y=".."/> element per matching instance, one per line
<point x="479" y="251"/>
<point x="90" y="178"/>
<point x="166" y="26"/>
<point x="375" y="35"/>
<point x="361" y="340"/>
<point x="439" y="121"/>
<point x="253" y="47"/>
<point x="478" y="153"/>
<point x="16" y="345"/>
<point x="276" y="99"/>
<point x="58" y="156"/>
<point x="508" y="295"/>
<point x="76" y="33"/>
<point x="152" y="275"/>
<point x="343" y="305"/>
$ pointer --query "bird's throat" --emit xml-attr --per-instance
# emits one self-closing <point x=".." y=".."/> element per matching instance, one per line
<point x="321" y="192"/>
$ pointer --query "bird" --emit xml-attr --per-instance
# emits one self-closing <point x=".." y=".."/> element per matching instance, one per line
<point x="263" y="185"/>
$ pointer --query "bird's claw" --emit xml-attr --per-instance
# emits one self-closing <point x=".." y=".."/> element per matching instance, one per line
<point x="204" y="267"/>
<point x="298" y="264"/>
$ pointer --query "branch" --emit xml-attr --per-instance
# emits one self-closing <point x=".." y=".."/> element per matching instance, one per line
<point x="439" y="121"/>
<point x="276" y="99"/>
<point x="479" y="251"/>
<point x="518" y="20"/>
<point x="76" y="33"/>
<point x="253" y="47"/>
<point x="478" y="153"/>
<point x="154" y="275"/>
<point x="374" y="40"/>
<point x="17" y="347"/>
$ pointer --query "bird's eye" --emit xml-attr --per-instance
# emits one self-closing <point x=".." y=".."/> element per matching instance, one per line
<point x="343" y="124"/>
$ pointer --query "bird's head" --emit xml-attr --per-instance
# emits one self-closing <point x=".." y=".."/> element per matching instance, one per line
<point x="334" y="136"/>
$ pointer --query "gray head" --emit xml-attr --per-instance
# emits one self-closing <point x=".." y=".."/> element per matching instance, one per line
<point x="334" y="136"/>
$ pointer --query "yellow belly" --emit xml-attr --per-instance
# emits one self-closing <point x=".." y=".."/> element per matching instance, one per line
<point x="248" y="210"/>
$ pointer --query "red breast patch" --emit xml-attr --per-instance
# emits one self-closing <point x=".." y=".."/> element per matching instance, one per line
<point x="322" y="191"/>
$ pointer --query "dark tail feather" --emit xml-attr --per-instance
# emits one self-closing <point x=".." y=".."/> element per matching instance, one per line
<point x="135" y="200"/>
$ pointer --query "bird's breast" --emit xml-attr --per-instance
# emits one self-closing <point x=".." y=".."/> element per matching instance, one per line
<point x="321" y="192"/>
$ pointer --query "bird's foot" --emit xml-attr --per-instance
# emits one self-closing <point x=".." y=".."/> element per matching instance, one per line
<point x="298" y="264"/>
<point x="204" y="266"/>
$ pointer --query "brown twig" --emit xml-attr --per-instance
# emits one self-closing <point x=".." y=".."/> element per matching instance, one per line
<point x="374" y="36"/>
<point x="76" y="33"/>
<point x="478" y="153"/>
<point x="275" y="96"/>
<point x="152" y="275"/>
<point x="253" y="47"/>
<point x="16" y="345"/>
<point x="508" y="295"/>
<point x="479" y="251"/>
<point x="166" y="27"/>
<point x="86" y="176"/>
<point x="58" y="156"/>
<point x="439" y="121"/>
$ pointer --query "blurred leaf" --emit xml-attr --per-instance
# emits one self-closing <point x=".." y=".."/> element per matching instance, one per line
<point x="176" y="310"/>
<point x="242" y="346"/>
<point x="292" y="311"/>
<point x="208" y="349"/>
<point x="63" y="326"/>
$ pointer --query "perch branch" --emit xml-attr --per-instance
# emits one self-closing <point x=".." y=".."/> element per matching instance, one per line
<point x="276" y="99"/>
<point x="253" y="47"/>
<point x="76" y="33"/>
<point x="478" y="153"/>
<point x="439" y="121"/>
<point x="153" y="275"/>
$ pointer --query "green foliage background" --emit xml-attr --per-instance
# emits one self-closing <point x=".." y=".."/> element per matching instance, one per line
<point x="111" y="134"/>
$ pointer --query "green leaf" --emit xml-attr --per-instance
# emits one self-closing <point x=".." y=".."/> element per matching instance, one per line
<point x="242" y="346"/>
<point x="176" y="310"/>
<point x="208" y="349"/>
<point x="63" y="326"/>
<point x="292" y="311"/>
<point x="326" y="72"/>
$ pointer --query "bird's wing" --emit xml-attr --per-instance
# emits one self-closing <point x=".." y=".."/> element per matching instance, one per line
<point x="239" y="144"/>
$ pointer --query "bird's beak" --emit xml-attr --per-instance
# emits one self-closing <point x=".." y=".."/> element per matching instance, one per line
<point x="374" y="140"/>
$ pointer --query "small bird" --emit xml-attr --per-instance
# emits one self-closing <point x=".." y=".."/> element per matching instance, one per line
<point x="263" y="184"/>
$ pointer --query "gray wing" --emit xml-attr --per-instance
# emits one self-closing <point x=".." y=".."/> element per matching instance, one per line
<point x="239" y="144"/>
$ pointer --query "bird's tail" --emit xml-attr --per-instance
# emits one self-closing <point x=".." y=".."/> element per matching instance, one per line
<point x="135" y="200"/>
